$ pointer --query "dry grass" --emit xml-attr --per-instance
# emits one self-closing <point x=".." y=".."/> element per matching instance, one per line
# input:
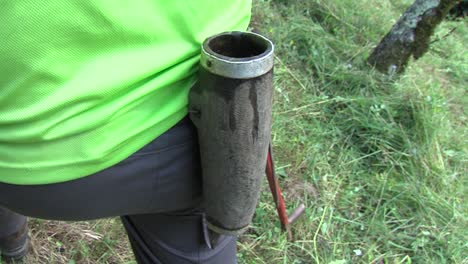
<point x="91" y="242"/>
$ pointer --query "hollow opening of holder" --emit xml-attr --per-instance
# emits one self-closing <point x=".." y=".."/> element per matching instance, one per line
<point x="238" y="45"/>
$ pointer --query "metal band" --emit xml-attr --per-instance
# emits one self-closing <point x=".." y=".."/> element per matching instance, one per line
<point x="238" y="55"/>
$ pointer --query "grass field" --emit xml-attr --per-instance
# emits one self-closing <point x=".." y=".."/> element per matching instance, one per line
<point x="379" y="161"/>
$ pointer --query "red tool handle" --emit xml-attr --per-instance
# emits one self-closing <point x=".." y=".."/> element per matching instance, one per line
<point x="276" y="191"/>
<point x="278" y="197"/>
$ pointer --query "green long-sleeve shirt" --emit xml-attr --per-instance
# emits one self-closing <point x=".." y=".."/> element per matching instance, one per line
<point x="84" y="84"/>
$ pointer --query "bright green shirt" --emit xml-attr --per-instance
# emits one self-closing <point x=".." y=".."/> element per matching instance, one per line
<point x="84" y="84"/>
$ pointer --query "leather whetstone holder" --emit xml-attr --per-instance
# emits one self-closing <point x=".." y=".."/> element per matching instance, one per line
<point x="231" y="106"/>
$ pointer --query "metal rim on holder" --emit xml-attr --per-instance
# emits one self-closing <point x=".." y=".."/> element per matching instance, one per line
<point x="238" y="55"/>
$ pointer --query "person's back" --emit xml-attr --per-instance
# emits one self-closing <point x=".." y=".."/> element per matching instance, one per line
<point x="84" y="84"/>
<point x="90" y="95"/>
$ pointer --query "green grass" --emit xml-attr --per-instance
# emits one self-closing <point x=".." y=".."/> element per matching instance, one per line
<point x="379" y="161"/>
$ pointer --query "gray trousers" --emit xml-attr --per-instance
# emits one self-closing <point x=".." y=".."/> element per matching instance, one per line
<point x="156" y="191"/>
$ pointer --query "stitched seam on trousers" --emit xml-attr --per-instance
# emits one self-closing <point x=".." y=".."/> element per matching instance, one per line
<point x="137" y="154"/>
<point x="181" y="254"/>
<point x="141" y="243"/>
<point x="155" y="186"/>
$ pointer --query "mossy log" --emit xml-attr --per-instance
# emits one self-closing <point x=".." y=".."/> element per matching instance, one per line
<point x="410" y="36"/>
